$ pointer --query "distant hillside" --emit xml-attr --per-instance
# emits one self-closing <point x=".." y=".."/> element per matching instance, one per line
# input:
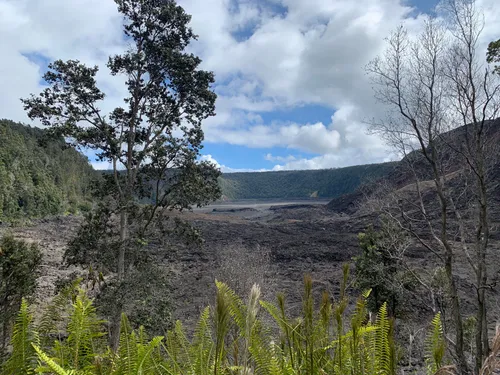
<point x="323" y="183"/>
<point x="401" y="175"/>
<point x="39" y="174"/>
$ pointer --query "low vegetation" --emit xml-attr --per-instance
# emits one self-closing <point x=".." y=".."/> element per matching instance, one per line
<point x="19" y="266"/>
<point x="232" y="337"/>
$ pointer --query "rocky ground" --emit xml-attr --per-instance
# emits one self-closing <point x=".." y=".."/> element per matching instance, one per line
<point x="272" y="244"/>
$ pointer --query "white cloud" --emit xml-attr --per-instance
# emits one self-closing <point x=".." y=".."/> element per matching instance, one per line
<point x="271" y="157"/>
<point x="225" y="169"/>
<point x="314" y="138"/>
<point x="314" y="53"/>
<point x="88" y="30"/>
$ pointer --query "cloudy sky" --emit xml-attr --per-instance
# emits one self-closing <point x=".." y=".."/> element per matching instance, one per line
<point x="292" y="92"/>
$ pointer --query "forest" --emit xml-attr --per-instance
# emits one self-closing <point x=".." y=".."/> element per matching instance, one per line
<point x="405" y="283"/>
<point x="40" y="175"/>
<point x="324" y="183"/>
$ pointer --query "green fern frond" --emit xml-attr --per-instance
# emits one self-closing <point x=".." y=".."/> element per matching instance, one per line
<point x="56" y="311"/>
<point x="23" y="357"/>
<point x="52" y="365"/>
<point x="203" y="348"/>
<point x="222" y="321"/>
<point x="83" y="332"/>
<point x="127" y="350"/>
<point x="381" y="345"/>
<point x="435" y="345"/>
<point x="235" y="305"/>
<point x="145" y="358"/>
<point x="177" y="347"/>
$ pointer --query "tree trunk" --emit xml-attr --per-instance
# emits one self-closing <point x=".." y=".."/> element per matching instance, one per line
<point x="116" y="318"/>
<point x="462" y="367"/>
<point x="123" y="244"/>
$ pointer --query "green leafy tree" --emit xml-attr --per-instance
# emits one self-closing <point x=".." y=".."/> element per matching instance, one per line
<point x="155" y="137"/>
<point x="493" y="54"/>
<point x="379" y="269"/>
<point x="22" y="360"/>
<point x="324" y="183"/>
<point x="19" y="262"/>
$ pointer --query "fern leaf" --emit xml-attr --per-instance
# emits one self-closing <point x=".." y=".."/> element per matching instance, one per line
<point x="144" y="356"/>
<point x="381" y="343"/>
<point x="127" y="350"/>
<point x="23" y="358"/>
<point x="83" y="330"/>
<point x="56" y="311"/>
<point x="435" y="345"/>
<point x="52" y="365"/>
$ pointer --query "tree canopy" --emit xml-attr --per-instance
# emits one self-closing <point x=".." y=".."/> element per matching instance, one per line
<point x="39" y="174"/>
<point x="155" y="137"/>
<point x="323" y="183"/>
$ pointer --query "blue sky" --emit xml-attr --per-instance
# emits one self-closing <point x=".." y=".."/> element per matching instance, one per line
<point x="292" y="90"/>
<point x="241" y="157"/>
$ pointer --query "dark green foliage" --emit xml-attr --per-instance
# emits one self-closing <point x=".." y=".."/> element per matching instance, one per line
<point x="493" y="55"/>
<point x="230" y="338"/>
<point x="155" y="137"/>
<point x="19" y="262"/>
<point x="378" y="269"/>
<point x="93" y="246"/>
<point x="145" y="295"/>
<point x="435" y="346"/>
<point x="324" y="183"/>
<point x="39" y="174"/>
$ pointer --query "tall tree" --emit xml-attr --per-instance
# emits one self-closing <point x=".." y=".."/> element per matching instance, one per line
<point x="473" y="93"/>
<point x="435" y="83"/>
<point x="156" y="136"/>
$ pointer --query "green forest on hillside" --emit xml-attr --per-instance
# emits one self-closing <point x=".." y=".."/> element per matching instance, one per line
<point x="39" y="174"/>
<point x="322" y="183"/>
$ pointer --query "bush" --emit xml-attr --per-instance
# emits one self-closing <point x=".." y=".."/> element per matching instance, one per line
<point x="19" y="262"/>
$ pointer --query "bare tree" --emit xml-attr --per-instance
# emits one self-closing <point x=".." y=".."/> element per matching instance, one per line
<point x="432" y="84"/>
<point x="409" y="79"/>
<point x="473" y="94"/>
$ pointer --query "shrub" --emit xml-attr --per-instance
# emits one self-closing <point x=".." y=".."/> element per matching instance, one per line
<point x="19" y="262"/>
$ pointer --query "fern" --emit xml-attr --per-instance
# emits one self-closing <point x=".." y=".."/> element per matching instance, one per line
<point x="52" y="365"/>
<point x="23" y="358"/>
<point x="381" y="347"/>
<point x="127" y="350"/>
<point x="57" y="311"/>
<point x="435" y="346"/>
<point x="84" y="331"/>
<point x="203" y="348"/>
<point x="231" y="339"/>
<point x="222" y="317"/>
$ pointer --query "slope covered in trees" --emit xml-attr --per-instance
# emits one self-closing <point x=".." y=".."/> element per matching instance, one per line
<point x="327" y="183"/>
<point x="39" y="174"/>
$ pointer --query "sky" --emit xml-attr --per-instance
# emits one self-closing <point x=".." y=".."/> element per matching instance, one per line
<point x="292" y="90"/>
